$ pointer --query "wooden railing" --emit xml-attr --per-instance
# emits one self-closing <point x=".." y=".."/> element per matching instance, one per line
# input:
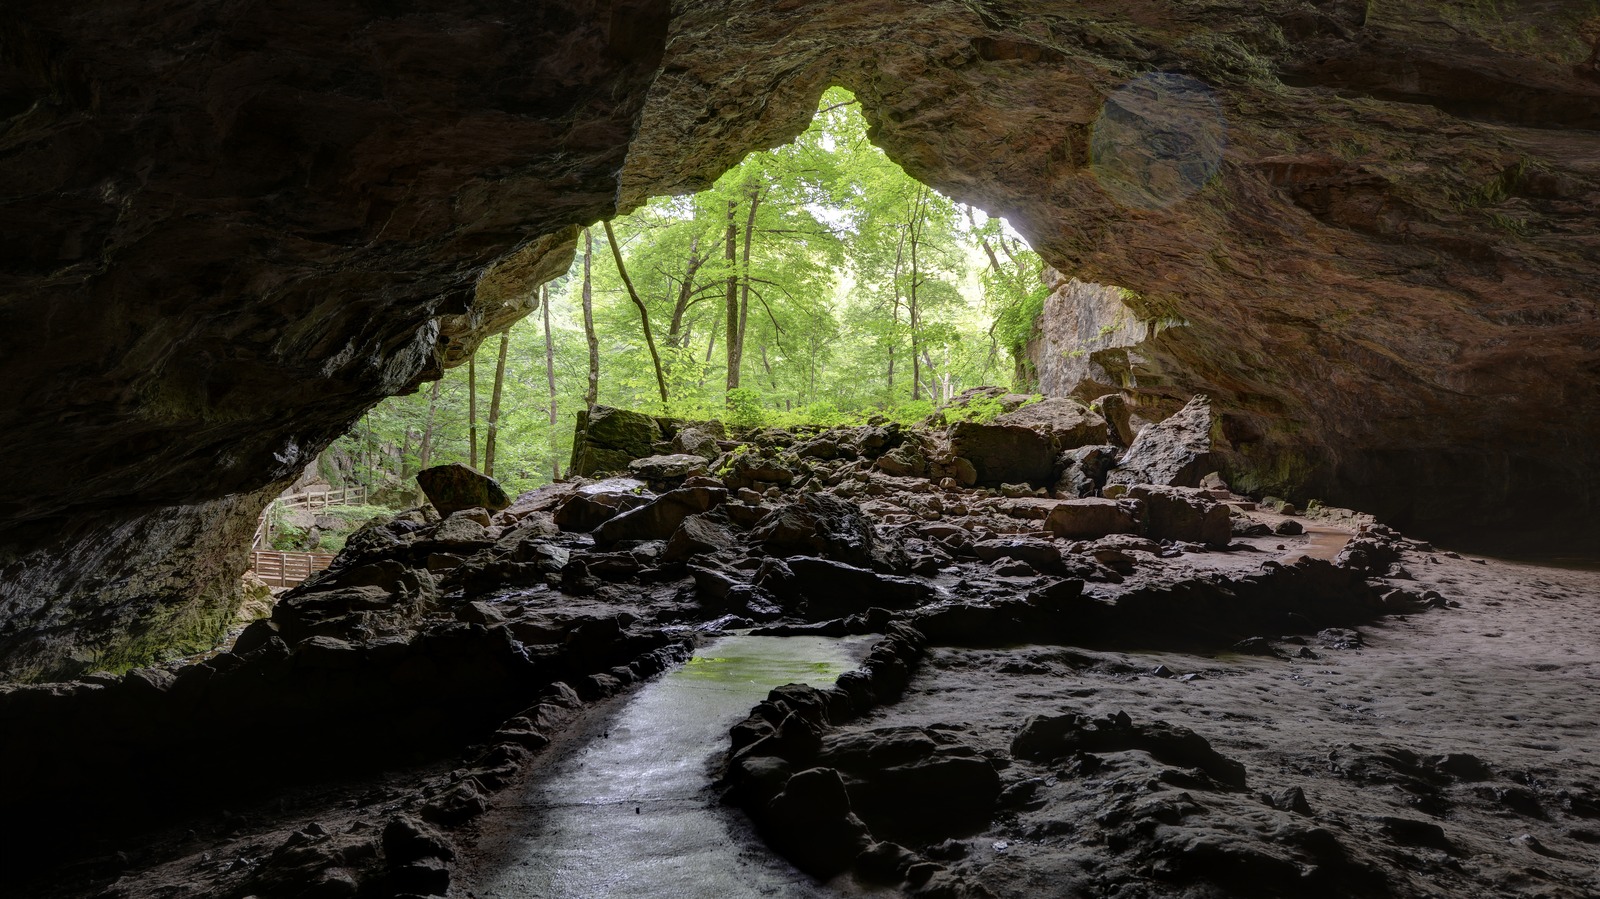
<point x="315" y="499"/>
<point x="321" y="499"/>
<point x="281" y="569"/>
<point x="286" y="569"/>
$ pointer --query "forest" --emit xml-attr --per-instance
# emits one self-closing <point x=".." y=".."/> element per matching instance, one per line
<point x="813" y="283"/>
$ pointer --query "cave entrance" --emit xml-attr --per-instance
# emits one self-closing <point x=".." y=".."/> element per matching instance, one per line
<point x="852" y="289"/>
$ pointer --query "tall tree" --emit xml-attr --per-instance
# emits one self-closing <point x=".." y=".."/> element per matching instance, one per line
<point x="472" y="409"/>
<point x="550" y="373"/>
<point x="753" y="192"/>
<point x="732" y="321"/>
<point x="917" y="218"/>
<point x="494" y="404"/>
<point x="593" y="394"/>
<point x="644" y="314"/>
<point x="425" y="453"/>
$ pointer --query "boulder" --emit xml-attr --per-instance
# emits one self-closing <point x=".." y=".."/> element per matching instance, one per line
<point x="461" y="531"/>
<point x="908" y="780"/>
<point x="1113" y="407"/>
<point x="1181" y="513"/>
<point x="817" y="525"/>
<point x="532" y="526"/>
<point x="873" y="440"/>
<point x="823" y="446"/>
<point x="692" y="441"/>
<point x="749" y="469"/>
<point x="1091" y="519"/>
<point x="1084" y="470"/>
<point x="454" y="487"/>
<point x="810" y="822"/>
<point x="582" y="514"/>
<point x="1041" y="554"/>
<point x="607" y="439"/>
<point x="1068" y="423"/>
<point x="599" y="502"/>
<point x="1004" y="454"/>
<point x="539" y="499"/>
<point x="670" y="468"/>
<point x="1176" y="452"/>
<point x="903" y="461"/>
<point x="963" y="472"/>
<point x="698" y="535"/>
<point x="832" y="589"/>
<point x="659" y="518"/>
<point x="993" y="396"/>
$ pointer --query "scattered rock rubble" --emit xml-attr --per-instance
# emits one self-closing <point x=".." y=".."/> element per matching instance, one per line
<point x="491" y="627"/>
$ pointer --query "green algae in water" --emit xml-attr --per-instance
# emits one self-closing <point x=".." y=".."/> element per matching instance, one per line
<point x="762" y="670"/>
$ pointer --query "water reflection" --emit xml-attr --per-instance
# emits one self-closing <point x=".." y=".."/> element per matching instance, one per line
<point x="629" y="811"/>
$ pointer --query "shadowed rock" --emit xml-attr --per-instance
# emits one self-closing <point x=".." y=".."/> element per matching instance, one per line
<point x="1176" y="452"/>
<point x="1004" y="454"/>
<point x="455" y="487"/>
<point x="1046" y="737"/>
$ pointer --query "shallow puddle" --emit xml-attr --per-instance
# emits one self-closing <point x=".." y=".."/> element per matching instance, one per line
<point x="630" y="812"/>
<point x="1323" y="543"/>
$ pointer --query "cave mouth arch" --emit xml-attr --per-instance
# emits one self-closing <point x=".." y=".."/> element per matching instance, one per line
<point x="220" y="260"/>
<point x="861" y="289"/>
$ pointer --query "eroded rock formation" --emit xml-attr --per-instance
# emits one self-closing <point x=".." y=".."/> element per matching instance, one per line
<point x="229" y="230"/>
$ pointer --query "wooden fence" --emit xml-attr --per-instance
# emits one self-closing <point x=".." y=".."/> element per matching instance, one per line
<point x="286" y="569"/>
<point x="280" y="569"/>
<point x="317" y="499"/>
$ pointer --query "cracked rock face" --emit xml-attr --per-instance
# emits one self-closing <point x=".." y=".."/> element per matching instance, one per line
<point x="225" y="231"/>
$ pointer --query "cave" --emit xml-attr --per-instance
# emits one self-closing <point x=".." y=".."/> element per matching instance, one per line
<point x="1364" y="230"/>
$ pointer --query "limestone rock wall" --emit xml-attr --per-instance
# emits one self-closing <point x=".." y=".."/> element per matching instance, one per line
<point x="1087" y="341"/>
<point x="226" y="230"/>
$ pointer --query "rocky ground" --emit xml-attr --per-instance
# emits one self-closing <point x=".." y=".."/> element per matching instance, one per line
<point x="1097" y="671"/>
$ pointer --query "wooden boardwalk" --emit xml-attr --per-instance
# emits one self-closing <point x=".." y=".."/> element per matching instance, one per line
<point x="287" y="569"/>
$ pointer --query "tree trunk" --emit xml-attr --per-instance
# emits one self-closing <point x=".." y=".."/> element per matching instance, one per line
<point x="494" y="405"/>
<point x="370" y="452"/>
<point x="918" y="216"/>
<point x="426" y="452"/>
<point x="472" y="409"/>
<point x="711" y="348"/>
<point x="894" y="281"/>
<point x="675" y="335"/>
<point x="550" y="375"/>
<point x="593" y="395"/>
<point x="744" y="297"/>
<point x="732" y="322"/>
<point x="644" y="314"/>
<point x="771" y="378"/>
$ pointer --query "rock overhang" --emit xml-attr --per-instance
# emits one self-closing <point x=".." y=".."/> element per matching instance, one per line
<point x="253" y="226"/>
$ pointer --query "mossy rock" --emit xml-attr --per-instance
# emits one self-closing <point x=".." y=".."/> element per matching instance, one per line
<point x="607" y="439"/>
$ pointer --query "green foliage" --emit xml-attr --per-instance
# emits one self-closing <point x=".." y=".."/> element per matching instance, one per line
<point x="843" y="247"/>
<point x="744" y="408"/>
<point x="288" y="538"/>
<point x="984" y="409"/>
